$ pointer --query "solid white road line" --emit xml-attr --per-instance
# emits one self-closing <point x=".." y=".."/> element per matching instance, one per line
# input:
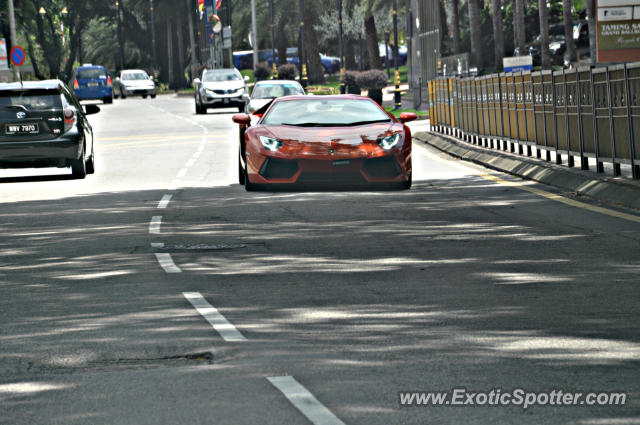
<point x="164" y="201"/>
<point x="304" y="401"/>
<point x="154" y="225"/>
<point x="181" y="173"/>
<point x="226" y="330"/>
<point x="166" y="262"/>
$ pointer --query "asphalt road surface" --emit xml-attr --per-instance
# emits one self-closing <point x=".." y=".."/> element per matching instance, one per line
<point x="158" y="291"/>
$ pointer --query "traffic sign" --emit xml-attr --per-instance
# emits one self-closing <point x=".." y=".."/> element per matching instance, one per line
<point x="17" y="56"/>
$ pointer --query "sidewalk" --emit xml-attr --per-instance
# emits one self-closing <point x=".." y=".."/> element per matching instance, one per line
<point x="619" y="191"/>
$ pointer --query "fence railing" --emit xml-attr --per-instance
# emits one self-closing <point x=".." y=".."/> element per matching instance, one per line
<point x="589" y="112"/>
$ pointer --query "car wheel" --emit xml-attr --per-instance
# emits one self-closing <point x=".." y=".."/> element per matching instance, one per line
<point x="153" y="96"/>
<point x="144" y="96"/>
<point x="124" y="96"/>
<point x="91" y="165"/>
<point x="107" y="100"/>
<point x="406" y="185"/>
<point x="248" y="186"/>
<point x="79" y="167"/>
<point x="242" y="109"/>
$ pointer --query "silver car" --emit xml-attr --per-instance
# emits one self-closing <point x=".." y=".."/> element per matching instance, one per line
<point x="221" y="88"/>
<point x="134" y="82"/>
<point x="267" y="90"/>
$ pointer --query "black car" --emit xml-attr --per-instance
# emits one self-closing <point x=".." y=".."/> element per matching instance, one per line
<point x="42" y="124"/>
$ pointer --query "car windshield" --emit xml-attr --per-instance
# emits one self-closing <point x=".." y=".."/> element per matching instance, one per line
<point x="30" y="100"/>
<point x="269" y="91"/>
<point x="217" y="76"/>
<point x="135" y="76"/>
<point x="325" y="112"/>
<point x="92" y="74"/>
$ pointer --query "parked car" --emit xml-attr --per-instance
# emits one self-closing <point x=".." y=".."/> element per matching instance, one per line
<point x="221" y="88"/>
<point x="244" y="59"/>
<point x="330" y="64"/>
<point x="134" y="82"/>
<point x="43" y="125"/>
<point x="557" y="43"/>
<point x="402" y="55"/>
<point x="92" y="82"/>
<point x="267" y="90"/>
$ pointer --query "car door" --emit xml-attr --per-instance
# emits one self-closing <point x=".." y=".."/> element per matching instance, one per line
<point x="83" y="122"/>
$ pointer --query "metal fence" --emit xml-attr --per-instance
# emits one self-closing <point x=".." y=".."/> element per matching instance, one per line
<point x="580" y="113"/>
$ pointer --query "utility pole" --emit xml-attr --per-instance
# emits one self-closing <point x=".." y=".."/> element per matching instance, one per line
<point x="254" y="36"/>
<point x="153" y="39"/>
<point x="301" y="55"/>
<point x="341" y="48"/>
<point x="274" y="73"/>
<point x="397" y="95"/>
<point x="14" y="38"/>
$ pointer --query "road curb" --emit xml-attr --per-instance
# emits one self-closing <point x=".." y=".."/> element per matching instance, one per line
<point x="605" y="189"/>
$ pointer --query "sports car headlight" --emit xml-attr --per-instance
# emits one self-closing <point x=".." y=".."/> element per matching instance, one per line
<point x="389" y="142"/>
<point x="270" y="143"/>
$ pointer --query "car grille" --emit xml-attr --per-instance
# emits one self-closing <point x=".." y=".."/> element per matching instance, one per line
<point x="387" y="167"/>
<point x="224" y="91"/>
<point x="278" y="169"/>
<point x="333" y="179"/>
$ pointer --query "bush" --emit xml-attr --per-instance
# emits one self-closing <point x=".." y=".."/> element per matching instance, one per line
<point x="373" y="79"/>
<point x="262" y="71"/>
<point x="351" y="81"/>
<point x="287" y="71"/>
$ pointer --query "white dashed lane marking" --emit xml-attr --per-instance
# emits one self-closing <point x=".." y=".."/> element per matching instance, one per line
<point x="226" y="330"/>
<point x="166" y="262"/>
<point x="304" y="401"/>
<point x="154" y="225"/>
<point x="164" y="202"/>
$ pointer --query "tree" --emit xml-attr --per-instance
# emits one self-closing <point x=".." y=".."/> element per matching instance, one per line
<point x="477" y="47"/>
<point x="498" y="33"/>
<point x="591" y="18"/>
<point x="544" y="34"/>
<point x="455" y="21"/>
<point x="519" y="35"/>
<point x="568" y="30"/>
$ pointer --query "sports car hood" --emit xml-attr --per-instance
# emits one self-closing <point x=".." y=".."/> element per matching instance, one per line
<point x="344" y="141"/>
<point x="224" y="85"/>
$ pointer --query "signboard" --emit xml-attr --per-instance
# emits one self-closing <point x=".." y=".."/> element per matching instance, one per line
<point x="517" y="64"/>
<point x="4" y="64"/>
<point x="210" y="13"/>
<point x="618" y="30"/>
<point x="17" y="56"/>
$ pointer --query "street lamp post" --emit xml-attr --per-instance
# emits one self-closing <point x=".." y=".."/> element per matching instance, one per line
<point x="274" y="73"/>
<point x="302" y="56"/>
<point x="397" y="95"/>
<point x="341" y="46"/>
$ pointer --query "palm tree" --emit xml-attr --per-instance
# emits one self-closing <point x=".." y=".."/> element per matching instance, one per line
<point x="568" y="30"/>
<point x="498" y="33"/>
<point x="455" y="17"/>
<point x="545" y="54"/>
<point x="477" y="47"/>
<point x="519" y="36"/>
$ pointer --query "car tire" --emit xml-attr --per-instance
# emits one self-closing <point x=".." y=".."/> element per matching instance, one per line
<point x="153" y="96"/>
<point x="79" y="167"/>
<point x="107" y="100"/>
<point x="124" y="96"/>
<point x="241" y="175"/>
<point x="248" y="186"/>
<point x="91" y="165"/>
<point x="144" y="96"/>
<point x="242" y="109"/>
<point x="406" y="185"/>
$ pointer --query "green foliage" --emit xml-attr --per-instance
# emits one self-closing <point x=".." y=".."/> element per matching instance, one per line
<point x="372" y="79"/>
<point x="287" y="71"/>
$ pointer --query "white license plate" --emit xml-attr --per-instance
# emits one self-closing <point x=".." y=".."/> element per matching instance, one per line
<point x="17" y="129"/>
<point x="92" y="84"/>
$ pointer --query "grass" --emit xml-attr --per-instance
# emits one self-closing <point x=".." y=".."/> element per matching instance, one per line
<point x="396" y="112"/>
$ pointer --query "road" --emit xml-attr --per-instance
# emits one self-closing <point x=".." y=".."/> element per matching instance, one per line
<point x="313" y="307"/>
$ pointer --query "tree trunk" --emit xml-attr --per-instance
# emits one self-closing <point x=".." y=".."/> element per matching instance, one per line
<point x="568" y="30"/>
<point x="312" y="54"/>
<point x="519" y="36"/>
<point x="498" y="33"/>
<point x="373" y="52"/>
<point x="192" y="42"/>
<point x="171" y="75"/>
<point x="591" y="16"/>
<point x="455" y="16"/>
<point x="349" y="54"/>
<point x="477" y="46"/>
<point x="545" y="54"/>
<point x="281" y="39"/>
<point x="444" y="33"/>
<point x="180" y="80"/>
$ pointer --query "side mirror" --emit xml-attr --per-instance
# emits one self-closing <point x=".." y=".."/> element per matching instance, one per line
<point x="91" y="109"/>
<point x="242" y="119"/>
<point x="405" y="117"/>
<point x="246" y="79"/>
<point x="196" y="81"/>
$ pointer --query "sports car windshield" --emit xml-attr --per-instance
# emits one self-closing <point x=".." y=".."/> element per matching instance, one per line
<point x="325" y="113"/>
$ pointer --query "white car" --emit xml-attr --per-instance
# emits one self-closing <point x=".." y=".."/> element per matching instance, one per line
<point x="267" y="90"/>
<point x="221" y="88"/>
<point x="134" y="82"/>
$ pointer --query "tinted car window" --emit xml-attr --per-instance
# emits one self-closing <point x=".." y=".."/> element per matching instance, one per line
<point x="216" y="76"/>
<point x="267" y="91"/>
<point x="91" y="73"/>
<point x="135" y="76"/>
<point x="32" y="99"/>
<point x="324" y="112"/>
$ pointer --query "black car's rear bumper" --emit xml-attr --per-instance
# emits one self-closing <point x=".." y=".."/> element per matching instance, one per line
<point x="53" y="152"/>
